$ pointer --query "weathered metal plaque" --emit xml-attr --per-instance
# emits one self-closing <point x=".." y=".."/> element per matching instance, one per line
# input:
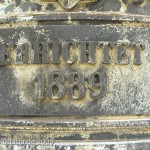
<point x="74" y="63"/>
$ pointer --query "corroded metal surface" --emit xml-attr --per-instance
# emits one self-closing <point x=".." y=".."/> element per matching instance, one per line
<point x="81" y="65"/>
<point x="75" y="63"/>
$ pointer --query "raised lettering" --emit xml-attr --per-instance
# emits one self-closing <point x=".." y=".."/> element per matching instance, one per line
<point x="66" y="48"/>
<point x="87" y="52"/>
<point x="22" y="54"/>
<point x="40" y="53"/>
<point x="55" y="88"/>
<point x="123" y="56"/>
<point x="55" y="53"/>
<point x="76" y="89"/>
<point x="98" y="81"/>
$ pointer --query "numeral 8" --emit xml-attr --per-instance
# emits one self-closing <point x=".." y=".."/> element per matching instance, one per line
<point x="56" y="88"/>
<point x="76" y="89"/>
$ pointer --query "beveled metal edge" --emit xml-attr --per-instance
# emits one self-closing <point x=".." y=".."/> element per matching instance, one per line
<point x="98" y="130"/>
<point x="73" y="123"/>
<point x="73" y="16"/>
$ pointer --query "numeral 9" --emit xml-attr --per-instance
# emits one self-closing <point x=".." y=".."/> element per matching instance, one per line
<point x="97" y="81"/>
